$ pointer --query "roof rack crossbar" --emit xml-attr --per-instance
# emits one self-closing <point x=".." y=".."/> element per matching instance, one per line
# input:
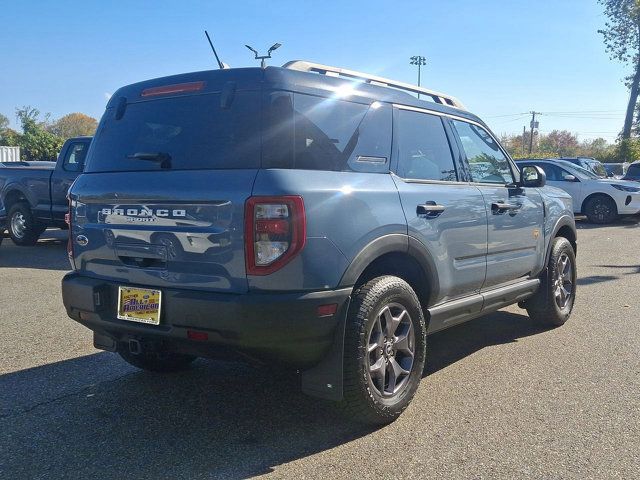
<point x="304" y="66"/>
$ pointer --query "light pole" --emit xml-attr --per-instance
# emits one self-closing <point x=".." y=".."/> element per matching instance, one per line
<point x="419" y="61"/>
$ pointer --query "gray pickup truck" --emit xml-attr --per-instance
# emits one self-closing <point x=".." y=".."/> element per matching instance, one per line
<point x="33" y="195"/>
<point x="307" y="216"/>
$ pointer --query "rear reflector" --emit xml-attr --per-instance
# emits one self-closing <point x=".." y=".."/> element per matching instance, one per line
<point x="327" y="310"/>
<point x="198" y="336"/>
<point x="176" y="88"/>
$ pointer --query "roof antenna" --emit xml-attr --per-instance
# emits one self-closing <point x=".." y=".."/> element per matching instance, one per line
<point x="220" y="64"/>
<point x="262" y="58"/>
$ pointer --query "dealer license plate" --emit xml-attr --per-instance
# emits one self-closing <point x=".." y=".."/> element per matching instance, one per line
<point x="139" y="305"/>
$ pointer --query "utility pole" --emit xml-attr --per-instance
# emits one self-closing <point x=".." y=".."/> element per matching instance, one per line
<point x="524" y="137"/>
<point x="419" y="61"/>
<point x="534" y="125"/>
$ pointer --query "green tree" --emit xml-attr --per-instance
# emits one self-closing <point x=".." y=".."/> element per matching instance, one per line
<point x="4" y="122"/>
<point x="74" y="125"/>
<point x="622" y="41"/>
<point x="8" y="137"/>
<point x="36" y="142"/>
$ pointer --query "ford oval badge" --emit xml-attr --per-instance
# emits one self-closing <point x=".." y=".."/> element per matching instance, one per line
<point x="82" y="240"/>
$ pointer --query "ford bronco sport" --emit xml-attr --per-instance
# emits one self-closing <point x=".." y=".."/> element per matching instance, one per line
<point x="308" y="216"/>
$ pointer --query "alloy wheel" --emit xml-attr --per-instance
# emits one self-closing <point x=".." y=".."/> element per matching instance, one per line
<point x="563" y="281"/>
<point x="391" y="350"/>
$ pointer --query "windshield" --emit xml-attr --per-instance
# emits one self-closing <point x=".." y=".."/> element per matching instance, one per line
<point x="581" y="173"/>
<point x="190" y="132"/>
<point x="598" y="168"/>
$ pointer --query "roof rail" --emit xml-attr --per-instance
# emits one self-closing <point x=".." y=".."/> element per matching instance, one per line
<point x="304" y="66"/>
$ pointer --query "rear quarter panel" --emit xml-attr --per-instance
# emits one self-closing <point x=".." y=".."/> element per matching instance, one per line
<point x="345" y="211"/>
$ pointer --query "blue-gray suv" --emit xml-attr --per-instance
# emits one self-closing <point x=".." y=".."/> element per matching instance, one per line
<point x="311" y="217"/>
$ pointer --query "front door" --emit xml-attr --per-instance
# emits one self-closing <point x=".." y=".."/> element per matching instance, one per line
<point x="515" y="236"/>
<point x="446" y="216"/>
<point x="63" y="176"/>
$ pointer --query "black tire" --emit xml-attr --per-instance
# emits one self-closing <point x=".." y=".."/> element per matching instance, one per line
<point x="365" y="397"/>
<point x="601" y="209"/>
<point x="156" y="361"/>
<point x="23" y="228"/>
<point x="544" y="308"/>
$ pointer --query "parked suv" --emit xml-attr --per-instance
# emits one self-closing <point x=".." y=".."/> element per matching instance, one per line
<point x="319" y="240"/>
<point x="602" y="200"/>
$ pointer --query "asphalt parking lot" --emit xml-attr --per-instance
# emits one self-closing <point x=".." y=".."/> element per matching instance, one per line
<point x="501" y="398"/>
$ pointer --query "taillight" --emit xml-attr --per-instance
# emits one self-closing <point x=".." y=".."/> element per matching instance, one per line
<point x="68" y="220"/>
<point x="275" y="231"/>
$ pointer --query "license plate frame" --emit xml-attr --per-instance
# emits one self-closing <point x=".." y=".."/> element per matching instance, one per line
<point x="146" y="296"/>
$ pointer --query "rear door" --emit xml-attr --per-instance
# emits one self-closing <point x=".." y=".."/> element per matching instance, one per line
<point x="162" y="199"/>
<point x="515" y="215"/>
<point x="447" y="216"/>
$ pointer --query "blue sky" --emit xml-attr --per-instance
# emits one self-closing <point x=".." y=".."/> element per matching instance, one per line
<point x="501" y="58"/>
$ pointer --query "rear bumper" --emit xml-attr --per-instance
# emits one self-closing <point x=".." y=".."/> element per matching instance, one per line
<point x="284" y="327"/>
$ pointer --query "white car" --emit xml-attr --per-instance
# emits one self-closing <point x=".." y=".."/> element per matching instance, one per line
<point x="600" y="199"/>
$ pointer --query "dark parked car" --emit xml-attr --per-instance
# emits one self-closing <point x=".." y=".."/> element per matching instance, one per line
<point x="633" y="172"/>
<point x="33" y="195"/>
<point x="297" y="230"/>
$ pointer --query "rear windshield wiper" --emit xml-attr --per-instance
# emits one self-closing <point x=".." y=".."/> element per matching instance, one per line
<point x="162" y="157"/>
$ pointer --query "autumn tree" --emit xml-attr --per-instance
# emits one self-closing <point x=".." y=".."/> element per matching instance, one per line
<point x="559" y="142"/>
<point x="622" y="41"/>
<point x="74" y="125"/>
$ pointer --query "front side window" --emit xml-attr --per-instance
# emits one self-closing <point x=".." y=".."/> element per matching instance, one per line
<point x="552" y="172"/>
<point x="423" y="148"/>
<point x="487" y="163"/>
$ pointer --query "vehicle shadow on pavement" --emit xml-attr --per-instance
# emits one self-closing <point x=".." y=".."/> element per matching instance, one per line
<point x="623" y="222"/>
<point x="48" y="254"/>
<point x="449" y="346"/>
<point x="95" y="416"/>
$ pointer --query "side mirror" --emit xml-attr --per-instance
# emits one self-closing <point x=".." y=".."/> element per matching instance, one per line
<point x="569" y="178"/>
<point x="533" y="176"/>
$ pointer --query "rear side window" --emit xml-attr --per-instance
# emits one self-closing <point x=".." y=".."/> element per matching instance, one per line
<point x="74" y="159"/>
<point x="195" y="131"/>
<point x="317" y="133"/>
<point x="487" y="163"/>
<point x="423" y="149"/>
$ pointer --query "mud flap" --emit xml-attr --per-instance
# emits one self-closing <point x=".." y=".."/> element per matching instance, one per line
<point x="325" y="379"/>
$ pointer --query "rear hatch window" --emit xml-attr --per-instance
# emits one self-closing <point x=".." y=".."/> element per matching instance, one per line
<point x="193" y="132"/>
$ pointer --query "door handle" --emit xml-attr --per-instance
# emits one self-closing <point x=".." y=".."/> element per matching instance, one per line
<point x="429" y="210"/>
<point x="499" y="207"/>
